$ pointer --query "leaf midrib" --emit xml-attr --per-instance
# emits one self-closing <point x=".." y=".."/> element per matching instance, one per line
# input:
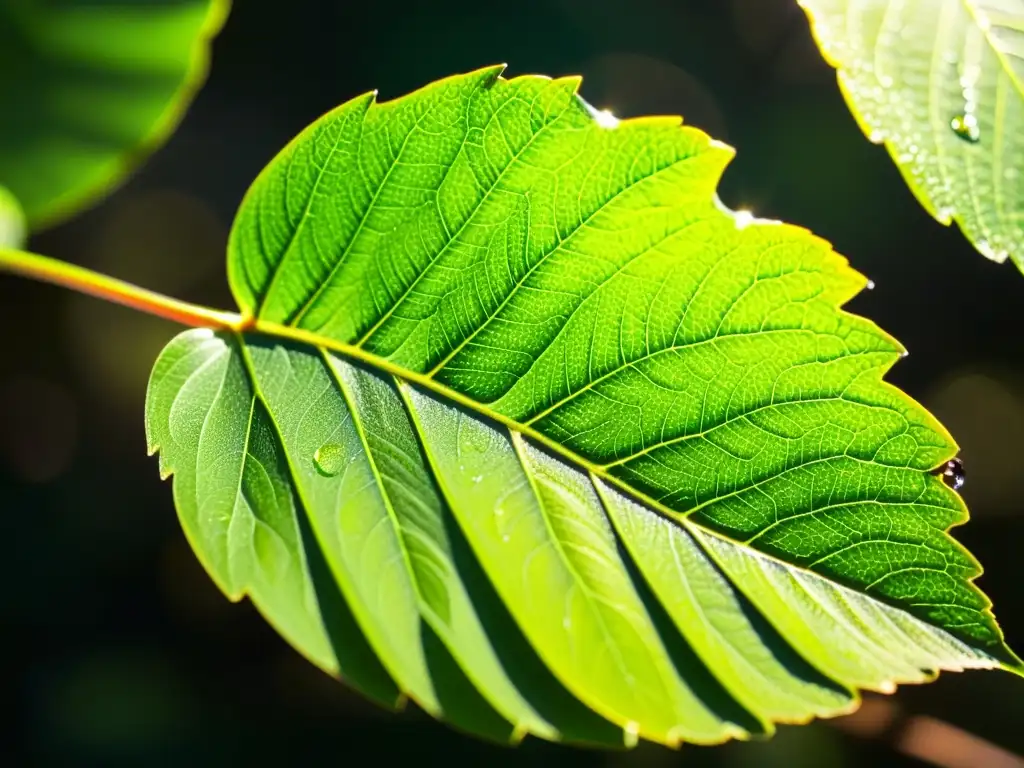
<point x="359" y="354"/>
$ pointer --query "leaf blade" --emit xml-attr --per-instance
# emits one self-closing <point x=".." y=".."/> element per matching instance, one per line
<point x="550" y="525"/>
<point x="193" y="368"/>
<point x="550" y="345"/>
<point x="586" y="221"/>
<point x="942" y="86"/>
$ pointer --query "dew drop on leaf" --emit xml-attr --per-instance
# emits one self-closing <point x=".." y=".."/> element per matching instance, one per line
<point x="328" y="459"/>
<point x="966" y="127"/>
<point x="952" y="473"/>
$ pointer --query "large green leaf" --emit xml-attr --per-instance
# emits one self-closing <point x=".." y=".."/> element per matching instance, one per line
<point x="941" y="83"/>
<point x="89" y="87"/>
<point x="12" y="222"/>
<point x="525" y="415"/>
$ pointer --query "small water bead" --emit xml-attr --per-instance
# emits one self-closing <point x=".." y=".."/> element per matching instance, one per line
<point x="952" y="474"/>
<point x="329" y="459"/>
<point x="966" y="127"/>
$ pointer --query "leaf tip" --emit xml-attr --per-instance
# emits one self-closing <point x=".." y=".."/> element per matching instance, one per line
<point x="489" y="76"/>
<point x="721" y="146"/>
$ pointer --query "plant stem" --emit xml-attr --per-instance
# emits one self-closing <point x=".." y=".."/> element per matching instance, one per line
<point x="92" y="283"/>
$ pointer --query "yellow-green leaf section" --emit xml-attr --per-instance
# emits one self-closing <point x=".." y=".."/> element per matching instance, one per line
<point x="941" y="83"/>
<point x="570" y="449"/>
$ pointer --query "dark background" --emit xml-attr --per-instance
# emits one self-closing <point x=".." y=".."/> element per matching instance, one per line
<point x="119" y="649"/>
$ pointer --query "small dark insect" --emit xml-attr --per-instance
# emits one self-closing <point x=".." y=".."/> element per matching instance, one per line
<point x="952" y="473"/>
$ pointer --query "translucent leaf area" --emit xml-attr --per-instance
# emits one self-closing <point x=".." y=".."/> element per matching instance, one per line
<point x="530" y="429"/>
<point x="941" y="83"/>
<point x="89" y="87"/>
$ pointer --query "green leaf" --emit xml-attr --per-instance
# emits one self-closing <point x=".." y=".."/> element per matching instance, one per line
<point x="12" y="221"/>
<point x="88" y="89"/>
<point x="578" y="452"/>
<point x="942" y="85"/>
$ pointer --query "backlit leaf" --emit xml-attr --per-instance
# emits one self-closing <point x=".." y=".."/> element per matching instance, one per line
<point x="528" y="427"/>
<point x="941" y="83"/>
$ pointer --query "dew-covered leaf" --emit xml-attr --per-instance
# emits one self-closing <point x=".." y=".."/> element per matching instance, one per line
<point x="528" y="427"/>
<point x="941" y="83"/>
<point x="88" y="88"/>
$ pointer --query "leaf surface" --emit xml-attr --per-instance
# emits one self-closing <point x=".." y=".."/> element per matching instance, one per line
<point x="582" y="454"/>
<point x="941" y="83"/>
<point x="87" y="89"/>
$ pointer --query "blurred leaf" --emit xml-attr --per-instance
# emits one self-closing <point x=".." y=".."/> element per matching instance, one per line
<point x="88" y="89"/>
<point x="510" y="358"/>
<point x="12" y="221"/>
<point x="942" y="85"/>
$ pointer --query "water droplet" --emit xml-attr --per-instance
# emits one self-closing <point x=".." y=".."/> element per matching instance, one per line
<point x="966" y="127"/>
<point x="505" y="537"/>
<point x="329" y="459"/>
<point x="631" y="734"/>
<point x="952" y="474"/>
<point x="478" y="478"/>
<point x="885" y="81"/>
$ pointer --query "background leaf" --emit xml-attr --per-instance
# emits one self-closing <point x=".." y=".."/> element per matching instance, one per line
<point x="87" y="89"/>
<point x="484" y="312"/>
<point x="942" y="85"/>
<point x="12" y="221"/>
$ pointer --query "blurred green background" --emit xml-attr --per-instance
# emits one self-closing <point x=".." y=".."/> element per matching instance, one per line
<point x="119" y="650"/>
